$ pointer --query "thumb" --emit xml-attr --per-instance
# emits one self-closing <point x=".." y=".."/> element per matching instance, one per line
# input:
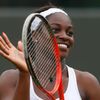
<point x="20" y="46"/>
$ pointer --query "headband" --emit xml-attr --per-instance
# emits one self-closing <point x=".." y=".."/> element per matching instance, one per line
<point x="49" y="12"/>
<point x="52" y="11"/>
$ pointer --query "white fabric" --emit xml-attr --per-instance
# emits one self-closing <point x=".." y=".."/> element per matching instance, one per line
<point x="72" y="92"/>
<point x="52" y="11"/>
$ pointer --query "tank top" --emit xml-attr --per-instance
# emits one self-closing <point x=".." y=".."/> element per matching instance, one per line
<point x="72" y="92"/>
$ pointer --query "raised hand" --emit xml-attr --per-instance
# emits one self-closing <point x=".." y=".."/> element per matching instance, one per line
<point x="10" y="52"/>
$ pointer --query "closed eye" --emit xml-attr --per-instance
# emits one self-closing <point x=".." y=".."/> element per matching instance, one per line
<point x="55" y="30"/>
<point x="70" y="33"/>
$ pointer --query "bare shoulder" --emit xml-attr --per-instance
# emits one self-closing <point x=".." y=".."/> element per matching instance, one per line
<point x="9" y="75"/>
<point x="89" y="83"/>
<point x="8" y="79"/>
<point x="86" y="77"/>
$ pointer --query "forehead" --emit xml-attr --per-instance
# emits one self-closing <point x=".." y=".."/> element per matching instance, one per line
<point x="59" y="18"/>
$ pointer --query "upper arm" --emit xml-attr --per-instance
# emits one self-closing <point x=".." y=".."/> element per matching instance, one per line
<point x="8" y="80"/>
<point x="93" y="89"/>
<point x="91" y="86"/>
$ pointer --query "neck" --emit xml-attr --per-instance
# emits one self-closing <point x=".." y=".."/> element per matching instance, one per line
<point x="63" y="63"/>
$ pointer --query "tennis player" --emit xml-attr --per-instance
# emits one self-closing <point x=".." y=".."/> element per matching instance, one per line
<point x="16" y="84"/>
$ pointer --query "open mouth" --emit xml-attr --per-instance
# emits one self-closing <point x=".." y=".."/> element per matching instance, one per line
<point x="63" y="47"/>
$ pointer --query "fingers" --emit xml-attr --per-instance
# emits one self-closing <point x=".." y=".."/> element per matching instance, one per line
<point x="4" y="44"/>
<point x="3" y="54"/>
<point x="6" y="39"/>
<point x="3" y="47"/>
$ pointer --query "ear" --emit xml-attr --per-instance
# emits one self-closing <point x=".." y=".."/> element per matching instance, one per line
<point x="20" y="46"/>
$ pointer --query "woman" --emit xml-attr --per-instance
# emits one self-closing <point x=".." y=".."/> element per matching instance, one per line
<point x="17" y="84"/>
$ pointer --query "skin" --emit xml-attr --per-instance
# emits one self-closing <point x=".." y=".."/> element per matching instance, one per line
<point x="14" y="84"/>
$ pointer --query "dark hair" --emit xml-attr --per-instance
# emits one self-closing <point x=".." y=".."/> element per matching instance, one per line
<point x="46" y="7"/>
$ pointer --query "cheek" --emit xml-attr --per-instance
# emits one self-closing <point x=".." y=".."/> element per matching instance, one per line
<point x="72" y="40"/>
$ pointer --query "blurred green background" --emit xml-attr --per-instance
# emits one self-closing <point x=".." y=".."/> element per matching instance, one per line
<point x="85" y="15"/>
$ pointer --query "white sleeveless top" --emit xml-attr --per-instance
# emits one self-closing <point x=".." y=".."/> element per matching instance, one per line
<point x="72" y="92"/>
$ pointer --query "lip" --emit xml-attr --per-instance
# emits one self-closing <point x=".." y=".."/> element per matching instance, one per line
<point x="64" y="44"/>
<point x="63" y="47"/>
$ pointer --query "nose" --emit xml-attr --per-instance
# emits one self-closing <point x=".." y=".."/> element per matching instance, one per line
<point x="65" y="38"/>
<point x="62" y="35"/>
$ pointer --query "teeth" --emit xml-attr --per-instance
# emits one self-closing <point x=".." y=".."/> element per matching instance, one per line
<point x="62" y="45"/>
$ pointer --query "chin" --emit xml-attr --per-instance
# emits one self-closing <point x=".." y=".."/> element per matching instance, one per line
<point x="63" y="55"/>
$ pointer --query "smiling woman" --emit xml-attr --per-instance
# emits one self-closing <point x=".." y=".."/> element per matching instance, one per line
<point x="62" y="32"/>
<point x="18" y="85"/>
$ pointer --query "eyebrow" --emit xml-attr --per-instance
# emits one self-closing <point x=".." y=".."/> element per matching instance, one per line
<point x="70" y="26"/>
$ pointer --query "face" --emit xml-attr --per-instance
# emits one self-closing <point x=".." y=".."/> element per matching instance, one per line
<point x="62" y="27"/>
